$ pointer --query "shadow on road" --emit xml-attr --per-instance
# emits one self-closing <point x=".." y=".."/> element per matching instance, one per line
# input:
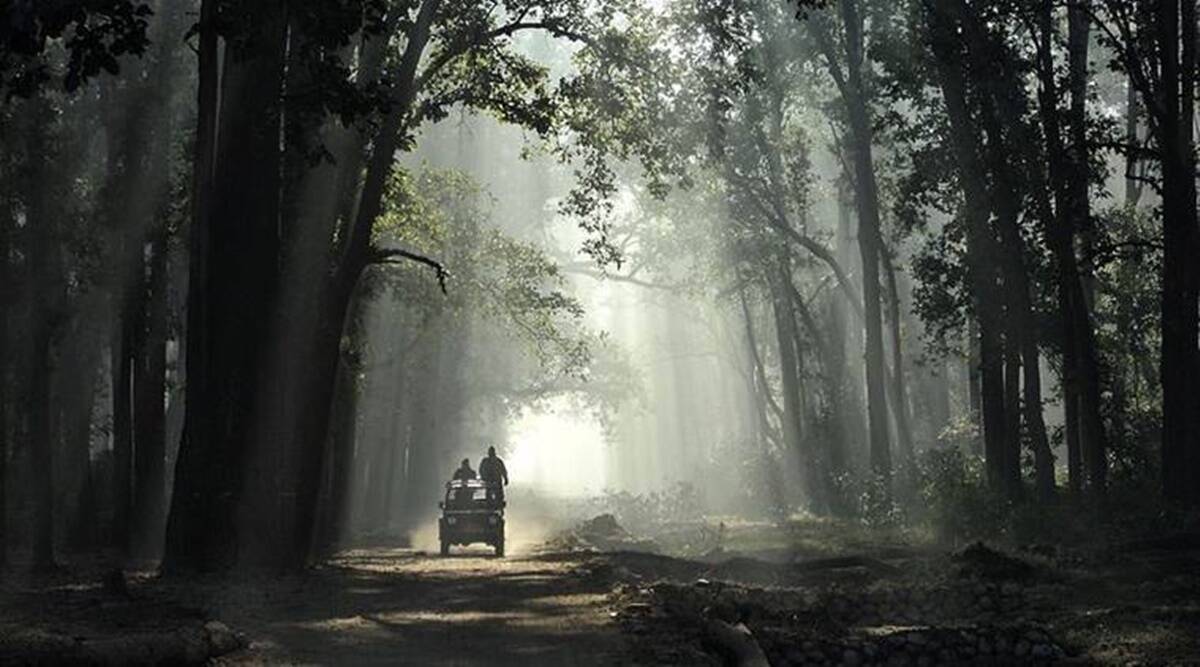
<point x="402" y="607"/>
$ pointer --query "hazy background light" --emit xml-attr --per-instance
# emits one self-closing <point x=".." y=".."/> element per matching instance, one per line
<point x="557" y="451"/>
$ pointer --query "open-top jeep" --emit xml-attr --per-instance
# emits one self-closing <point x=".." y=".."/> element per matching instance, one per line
<point x="469" y="515"/>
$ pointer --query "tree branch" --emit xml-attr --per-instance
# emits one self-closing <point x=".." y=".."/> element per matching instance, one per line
<point x="554" y="27"/>
<point x="390" y="255"/>
<point x="582" y="270"/>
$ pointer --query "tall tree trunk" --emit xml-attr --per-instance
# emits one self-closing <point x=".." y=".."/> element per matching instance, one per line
<point x="847" y="337"/>
<point x="1175" y="36"/>
<point x="40" y="411"/>
<point x="150" y="409"/>
<point x="833" y="377"/>
<point x="1043" y="457"/>
<point x="5" y="305"/>
<point x="900" y="409"/>
<point x="866" y="197"/>
<point x="237" y="188"/>
<point x="796" y="453"/>
<point x="1070" y="391"/>
<point x="42" y="287"/>
<point x="192" y="466"/>
<point x="938" y="390"/>
<point x="139" y="133"/>
<point x="425" y="388"/>
<point x="760" y="391"/>
<point x="876" y="397"/>
<point x="121" y="386"/>
<point x="974" y="382"/>
<point x="1011" y="459"/>
<point x="1093" y="444"/>
<point x="356" y="257"/>
<point x="1061" y="240"/>
<point x="314" y="429"/>
<point x="981" y="243"/>
<point x="1068" y="173"/>
<point x="1002" y="115"/>
<point x="342" y="445"/>
<point x="343" y="435"/>
<point x="74" y="386"/>
<point x="1133" y="186"/>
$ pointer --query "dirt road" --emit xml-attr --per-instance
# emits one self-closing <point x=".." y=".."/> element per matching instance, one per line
<point x="404" y="607"/>
<point x="386" y="606"/>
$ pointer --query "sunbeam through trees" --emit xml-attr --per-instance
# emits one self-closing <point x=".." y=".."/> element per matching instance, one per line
<point x="746" y="332"/>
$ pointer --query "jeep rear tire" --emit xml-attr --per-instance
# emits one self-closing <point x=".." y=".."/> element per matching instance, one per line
<point x="445" y="548"/>
<point x="500" y="549"/>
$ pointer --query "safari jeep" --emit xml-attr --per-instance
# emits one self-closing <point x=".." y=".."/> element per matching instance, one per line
<point x="469" y="517"/>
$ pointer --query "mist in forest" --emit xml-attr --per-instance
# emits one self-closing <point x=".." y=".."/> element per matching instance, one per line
<point x="893" y="302"/>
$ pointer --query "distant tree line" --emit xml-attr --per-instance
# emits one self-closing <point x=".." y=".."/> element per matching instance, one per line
<point x="1013" y="184"/>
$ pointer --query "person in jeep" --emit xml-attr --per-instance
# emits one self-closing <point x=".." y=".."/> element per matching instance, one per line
<point x="464" y="471"/>
<point x="494" y="474"/>
<point x="463" y="474"/>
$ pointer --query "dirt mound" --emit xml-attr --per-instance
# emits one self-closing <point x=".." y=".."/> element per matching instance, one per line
<point x="194" y="644"/>
<point x="602" y="526"/>
<point x="981" y="562"/>
<point x="600" y="533"/>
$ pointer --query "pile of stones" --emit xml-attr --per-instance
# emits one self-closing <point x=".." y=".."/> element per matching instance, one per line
<point x="918" y="647"/>
<point x="981" y="601"/>
<point x="955" y="622"/>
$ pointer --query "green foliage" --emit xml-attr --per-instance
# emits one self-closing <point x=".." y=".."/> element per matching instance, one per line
<point x="93" y="35"/>
<point x="957" y="507"/>
<point x="961" y="433"/>
<point x="621" y="104"/>
<point x="533" y="343"/>
<point x="868" y="498"/>
<point x="1128" y="257"/>
<point x="645" y="513"/>
<point x="954" y="502"/>
<point x="941" y="297"/>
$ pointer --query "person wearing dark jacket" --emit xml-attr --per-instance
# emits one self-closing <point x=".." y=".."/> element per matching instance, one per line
<point x="494" y="475"/>
<point x="462" y="495"/>
<point x="464" y="471"/>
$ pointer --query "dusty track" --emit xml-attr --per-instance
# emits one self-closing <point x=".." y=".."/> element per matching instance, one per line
<point x="399" y="606"/>
<point x="403" y="607"/>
